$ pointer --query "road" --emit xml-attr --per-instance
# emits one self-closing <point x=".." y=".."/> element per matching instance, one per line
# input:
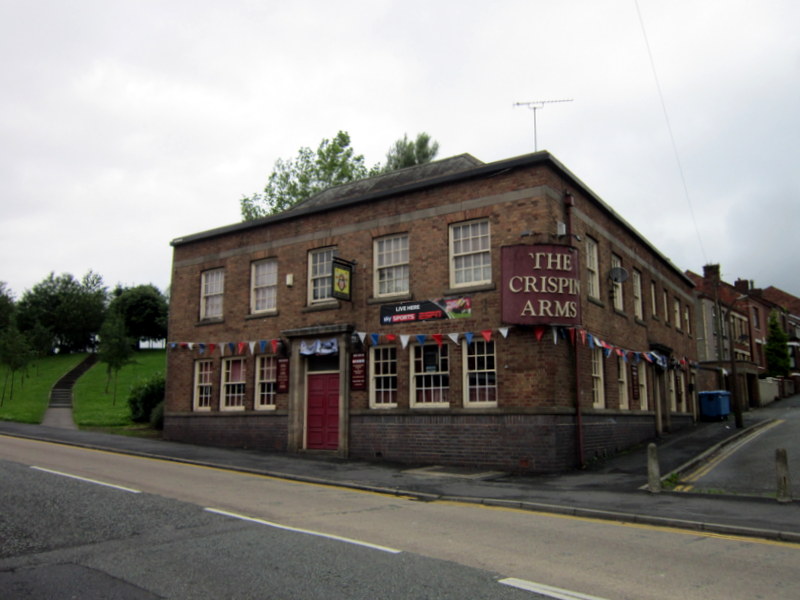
<point x="158" y="538"/>
<point x="748" y="466"/>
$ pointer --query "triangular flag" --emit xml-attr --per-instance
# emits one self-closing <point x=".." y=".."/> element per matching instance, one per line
<point x="202" y="348"/>
<point x="591" y="340"/>
<point x="362" y="335"/>
<point x="274" y="345"/>
<point x="375" y="337"/>
<point x="262" y="345"/>
<point x="503" y="331"/>
<point x="555" y="334"/>
<point x="240" y="347"/>
<point x="572" y="335"/>
<point x="487" y="334"/>
<point x="468" y="337"/>
<point x="211" y="348"/>
<point x="421" y="339"/>
<point x="538" y="332"/>
<point x="583" y="336"/>
<point x="404" y="340"/>
<point x="173" y="345"/>
<point x="252" y="347"/>
<point x="437" y="337"/>
<point x="390" y="337"/>
<point x="232" y="347"/>
<point x="453" y="337"/>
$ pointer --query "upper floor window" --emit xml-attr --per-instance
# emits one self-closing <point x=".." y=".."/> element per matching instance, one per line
<point x="430" y="376"/>
<point x="480" y="374"/>
<point x="592" y="269"/>
<point x="264" y="286"/>
<point x="638" y="305"/>
<point x="383" y="374"/>
<point x="202" y="384"/>
<point x="756" y="318"/>
<point x="687" y="320"/>
<point x="619" y="303"/>
<point x="320" y="275"/>
<point x="653" y="299"/>
<point x="676" y="305"/>
<point x="470" y="254"/>
<point x="212" y="288"/>
<point x="233" y="383"/>
<point x="666" y="307"/>
<point x="391" y="265"/>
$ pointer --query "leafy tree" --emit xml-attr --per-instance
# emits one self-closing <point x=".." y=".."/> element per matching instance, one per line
<point x="294" y="180"/>
<point x="143" y="309"/>
<point x="71" y="310"/>
<point x="6" y="305"/>
<point x="408" y="153"/>
<point x="776" y="350"/>
<point x="15" y="354"/>
<point x="145" y="397"/>
<point x="116" y="348"/>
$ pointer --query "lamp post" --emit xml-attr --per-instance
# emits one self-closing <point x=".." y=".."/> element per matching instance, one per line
<point x="735" y="397"/>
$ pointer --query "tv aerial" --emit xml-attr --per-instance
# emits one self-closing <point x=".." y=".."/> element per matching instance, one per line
<point x="618" y="275"/>
<point x="535" y="105"/>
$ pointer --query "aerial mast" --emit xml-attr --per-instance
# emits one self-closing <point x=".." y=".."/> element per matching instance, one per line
<point x="535" y="105"/>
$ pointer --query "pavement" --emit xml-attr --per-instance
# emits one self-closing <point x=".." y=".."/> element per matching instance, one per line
<point x="613" y="490"/>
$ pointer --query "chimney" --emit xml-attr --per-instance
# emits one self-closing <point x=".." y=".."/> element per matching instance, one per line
<point x="711" y="273"/>
<point x="743" y="286"/>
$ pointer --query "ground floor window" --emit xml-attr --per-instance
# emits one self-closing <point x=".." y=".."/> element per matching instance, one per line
<point x="598" y="385"/>
<point x="430" y="376"/>
<point x="383" y="369"/>
<point x="644" y="401"/>
<point x="266" y="382"/>
<point x="202" y="384"/>
<point x="622" y="383"/>
<point x="233" y="384"/>
<point x="480" y="373"/>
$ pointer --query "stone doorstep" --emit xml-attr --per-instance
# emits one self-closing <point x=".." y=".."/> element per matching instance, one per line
<point x="456" y="472"/>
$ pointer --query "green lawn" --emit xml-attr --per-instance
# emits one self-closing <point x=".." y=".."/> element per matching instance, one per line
<point x="93" y="407"/>
<point x="32" y="390"/>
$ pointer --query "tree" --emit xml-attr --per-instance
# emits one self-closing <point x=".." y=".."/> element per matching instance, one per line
<point x="293" y="181"/>
<point x="408" y="153"/>
<point x="15" y="354"/>
<point x="6" y="305"/>
<point x="116" y="347"/>
<point x="71" y="310"/>
<point x="144" y="311"/>
<point x="776" y="350"/>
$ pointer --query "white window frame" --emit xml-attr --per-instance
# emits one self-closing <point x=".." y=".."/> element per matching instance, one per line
<point x="673" y="400"/>
<point x="264" y="286"/>
<point x="665" y="296"/>
<point x="619" y="298"/>
<point x="320" y="275"/>
<point x="212" y="291"/>
<point x="676" y="307"/>
<point x="687" y="319"/>
<point x="383" y="377"/>
<point x="592" y="268"/>
<point x="479" y="366"/>
<point x="266" y="380"/>
<point x="598" y="384"/>
<point x="644" y="400"/>
<point x="203" y="384"/>
<point x="425" y="381"/>
<point x="232" y="391"/>
<point x="638" y="305"/>
<point x="391" y="274"/>
<point x="653" y="299"/>
<point x="622" y="383"/>
<point x="470" y="253"/>
<point x="680" y="391"/>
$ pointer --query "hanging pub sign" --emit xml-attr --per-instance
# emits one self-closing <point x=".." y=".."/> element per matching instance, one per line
<point x="342" y="279"/>
<point x="540" y="285"/>
<point x="426" y="310"/>
<point x="358" y="371"/>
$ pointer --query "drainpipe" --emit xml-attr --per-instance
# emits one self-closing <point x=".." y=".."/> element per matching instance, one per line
<point x="569" y="203"/>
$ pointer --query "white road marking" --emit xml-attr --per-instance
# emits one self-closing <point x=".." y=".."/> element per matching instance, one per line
<point x="306" y="531"/>
<point x="546" y="590"/>
<point x="86" y="479"/>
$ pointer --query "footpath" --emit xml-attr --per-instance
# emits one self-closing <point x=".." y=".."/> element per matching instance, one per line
<point x="614" y="490"/>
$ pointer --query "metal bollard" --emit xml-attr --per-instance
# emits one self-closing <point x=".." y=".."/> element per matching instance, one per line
<point x="653" y="470"/>
<point x="782" y="467"/>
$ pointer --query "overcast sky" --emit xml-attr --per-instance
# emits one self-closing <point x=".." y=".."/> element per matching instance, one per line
<point x="126" y="124"/>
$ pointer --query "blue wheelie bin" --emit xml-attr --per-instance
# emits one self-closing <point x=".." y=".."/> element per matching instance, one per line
<point x="715" y="405"/>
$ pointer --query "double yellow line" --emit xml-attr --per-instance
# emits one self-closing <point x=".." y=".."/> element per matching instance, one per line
<point x="687" y="483"/>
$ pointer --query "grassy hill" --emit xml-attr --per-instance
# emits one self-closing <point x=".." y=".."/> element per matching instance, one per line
<point x="93" y="407"/>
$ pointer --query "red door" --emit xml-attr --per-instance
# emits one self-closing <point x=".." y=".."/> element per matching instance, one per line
<point x="322" y="429"/>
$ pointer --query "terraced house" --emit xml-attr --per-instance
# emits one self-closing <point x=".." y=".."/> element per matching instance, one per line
<point x="497" y="315"/>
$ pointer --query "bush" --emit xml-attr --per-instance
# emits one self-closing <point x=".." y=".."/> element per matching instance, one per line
<point x="157" y="417"/>
<point x="145" y="396"/>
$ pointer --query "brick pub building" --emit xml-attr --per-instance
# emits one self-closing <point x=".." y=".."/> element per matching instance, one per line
<point x="497" y="315"/>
